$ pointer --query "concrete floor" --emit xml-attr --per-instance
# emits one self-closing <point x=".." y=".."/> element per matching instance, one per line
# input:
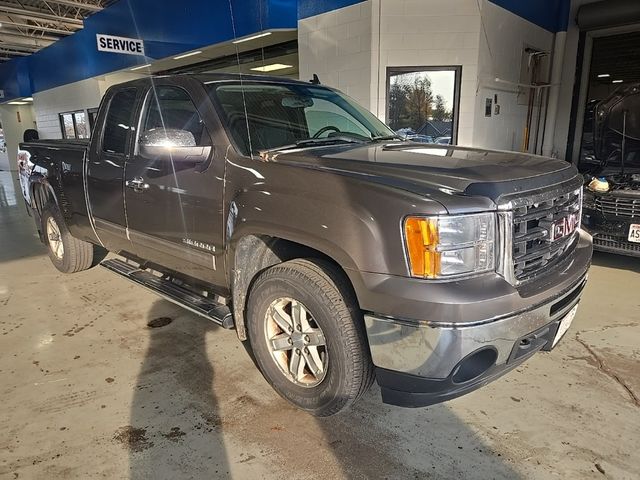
<point x="88" y="390"/>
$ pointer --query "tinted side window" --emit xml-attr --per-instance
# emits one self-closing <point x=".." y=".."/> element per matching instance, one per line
<point x="171" y="108"/>
<point x="118" y="121"/>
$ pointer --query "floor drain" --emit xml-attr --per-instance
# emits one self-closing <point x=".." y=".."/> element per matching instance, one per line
<point x="159" y="322"/>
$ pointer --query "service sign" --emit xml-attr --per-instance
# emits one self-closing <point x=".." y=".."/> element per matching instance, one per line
<point x="129" y="46"/>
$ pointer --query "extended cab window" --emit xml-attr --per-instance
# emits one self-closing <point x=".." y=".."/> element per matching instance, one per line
<point x="118" y="121"/>
<point x="171" y="108"/>
<point x="263" y="116"/>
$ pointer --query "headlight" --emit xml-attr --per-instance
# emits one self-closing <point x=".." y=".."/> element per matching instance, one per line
<point x="439" y="247"/>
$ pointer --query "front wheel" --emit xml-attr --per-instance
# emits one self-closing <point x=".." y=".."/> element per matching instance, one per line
<point x="68" y="254"/>
<point x="308" y="337"/>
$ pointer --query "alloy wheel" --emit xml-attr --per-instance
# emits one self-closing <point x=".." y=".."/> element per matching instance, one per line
<point x="296" y="342"/>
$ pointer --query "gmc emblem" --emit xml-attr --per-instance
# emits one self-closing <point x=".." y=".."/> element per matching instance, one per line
<point x="563" y="227"/>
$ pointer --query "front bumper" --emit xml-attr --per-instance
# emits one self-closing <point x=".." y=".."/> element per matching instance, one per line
<point x="610" y="233"/>
<point x="422" y="362"/>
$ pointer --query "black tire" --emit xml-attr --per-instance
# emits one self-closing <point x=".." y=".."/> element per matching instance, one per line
<point x="324" y="292"/>
<point x="75" y="255"/>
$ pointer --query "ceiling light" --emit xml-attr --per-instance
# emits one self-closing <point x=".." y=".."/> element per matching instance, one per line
<point x="616" y="81"/>
<point x="252" y="37"/>
<point x="27" y="99"/>
<point x="604" y="75"/>
<point x="17" y="103"/>
<point x="197" y="52"/>
<point x="272" y="68"/>
<point x="139" y="67"/>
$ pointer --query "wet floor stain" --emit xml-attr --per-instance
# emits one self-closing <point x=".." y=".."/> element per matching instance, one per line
<point x="134" y="439"/>
<point x="159" y="322"/>
<point x="175" y="434"/>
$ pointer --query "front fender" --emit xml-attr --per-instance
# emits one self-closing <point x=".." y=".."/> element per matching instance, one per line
<point x="358" y="225"/>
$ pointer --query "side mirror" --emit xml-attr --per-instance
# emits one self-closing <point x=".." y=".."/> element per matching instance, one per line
<point x="168" y="138"/>
<point x="170" y="144"/>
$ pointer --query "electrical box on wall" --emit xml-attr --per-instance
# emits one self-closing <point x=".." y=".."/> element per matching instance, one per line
<point x="488" y="107"/>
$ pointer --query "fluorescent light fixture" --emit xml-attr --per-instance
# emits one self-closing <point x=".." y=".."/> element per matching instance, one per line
<point x="17" y="103"/>
<point x="27" y="99"/>
<point x="271" y="68"/>
<point x="252" y="37"/>
<point x="197" y="52"/>
<point x="604" y="75"/>
<point x="616" y="81"/>
<point x="140" y="67"/>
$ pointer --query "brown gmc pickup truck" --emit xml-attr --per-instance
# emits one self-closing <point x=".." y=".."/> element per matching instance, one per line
<point x="343" y="254"/>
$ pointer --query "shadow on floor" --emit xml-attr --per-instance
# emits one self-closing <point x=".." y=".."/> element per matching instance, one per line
<point x="174" y="429"/>
<point x="185" y="412"/>
<point x="18" y="234"/>
<point x="613" y="260"/>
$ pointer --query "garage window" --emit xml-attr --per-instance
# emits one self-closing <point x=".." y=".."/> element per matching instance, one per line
<point x="74" y="124"/>
<point x="422" y="102"/>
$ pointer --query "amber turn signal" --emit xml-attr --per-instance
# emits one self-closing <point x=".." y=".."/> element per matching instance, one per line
<point x="421" y="236"/>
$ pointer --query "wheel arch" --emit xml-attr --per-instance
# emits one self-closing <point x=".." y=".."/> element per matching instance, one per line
<point x="254" y="253"/>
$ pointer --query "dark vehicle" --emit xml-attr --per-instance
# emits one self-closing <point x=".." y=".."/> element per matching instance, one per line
<point x="288" y="212"/>
<point x="612" y="202"/>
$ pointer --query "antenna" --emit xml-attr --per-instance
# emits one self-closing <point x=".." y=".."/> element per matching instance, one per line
<point x="315" y="80"/>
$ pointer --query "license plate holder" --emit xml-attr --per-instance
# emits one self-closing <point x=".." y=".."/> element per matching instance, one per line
<point x="564" y="325"/>
<point x="634" y="233"/>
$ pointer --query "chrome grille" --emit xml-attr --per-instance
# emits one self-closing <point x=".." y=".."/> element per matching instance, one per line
<point x="533" y="219"/>
<point x="618" y="206"/>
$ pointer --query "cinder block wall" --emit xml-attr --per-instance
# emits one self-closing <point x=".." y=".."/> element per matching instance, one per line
<point x="352" y="47"/>
<point x="338" y="47"/>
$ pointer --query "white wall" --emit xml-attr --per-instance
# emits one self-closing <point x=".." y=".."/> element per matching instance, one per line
<point x="81" y="95"/>
<point x="337" y="46"/>
<point x="74" y="96"/>
<point x="15" y="120"/>
<point x="352" y="47"/>
<point x="502" y="40"/>
<point x="430" y="34"/>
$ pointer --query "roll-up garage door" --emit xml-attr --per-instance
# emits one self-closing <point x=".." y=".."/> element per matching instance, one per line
<point x="608" y="13"/>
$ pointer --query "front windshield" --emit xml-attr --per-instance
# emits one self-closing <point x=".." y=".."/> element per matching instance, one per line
<point x="280" y="115"/>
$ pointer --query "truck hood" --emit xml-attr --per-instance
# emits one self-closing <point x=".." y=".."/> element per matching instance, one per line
<point x="432" y="170"/>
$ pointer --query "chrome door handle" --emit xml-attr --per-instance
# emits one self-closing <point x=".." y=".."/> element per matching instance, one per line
<point x="137" y="184"/>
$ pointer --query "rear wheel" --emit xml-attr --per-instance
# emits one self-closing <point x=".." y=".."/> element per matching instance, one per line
<point x="307" y="335"/>
<point x="68" y="254"/>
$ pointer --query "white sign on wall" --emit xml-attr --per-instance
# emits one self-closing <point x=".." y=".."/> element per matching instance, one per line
<point x="111" y="43"/>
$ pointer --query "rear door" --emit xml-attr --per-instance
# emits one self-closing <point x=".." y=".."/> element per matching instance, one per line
<point x="173" y="195"/>
<point x="105" y="167"/>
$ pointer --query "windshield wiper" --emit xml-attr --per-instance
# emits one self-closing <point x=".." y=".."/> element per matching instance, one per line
<point x="311" y="142"/>
<point x="384" y="138"/>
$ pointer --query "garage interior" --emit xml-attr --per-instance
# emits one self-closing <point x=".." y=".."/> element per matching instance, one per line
<point x="614" y="62"/>
<point x="103" y="379"/>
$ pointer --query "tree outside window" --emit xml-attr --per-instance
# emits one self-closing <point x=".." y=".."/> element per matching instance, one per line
<point x="422" y="103"/>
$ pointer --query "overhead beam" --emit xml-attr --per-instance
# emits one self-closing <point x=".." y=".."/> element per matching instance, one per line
<point x="74" y="3"/>
<point x="32" y="15"/>
<point x="9" y="22"/>
<point x="20" y="46"/>
<point x="5" y="51"/>
<point x="32" y="36"/>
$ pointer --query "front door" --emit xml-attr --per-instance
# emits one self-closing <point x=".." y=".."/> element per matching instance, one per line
<point x="173" y="190"/>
